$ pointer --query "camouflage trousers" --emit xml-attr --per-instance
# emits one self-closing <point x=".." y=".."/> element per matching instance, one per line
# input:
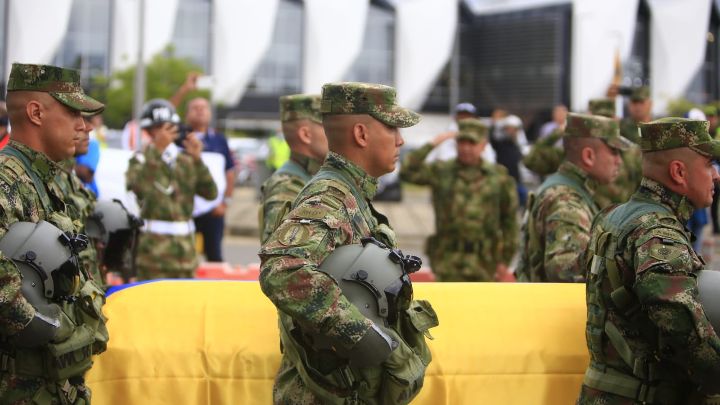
<point x="16" y="390"/>
<point x="166" y="256"/>
<point x="449" y="263"/>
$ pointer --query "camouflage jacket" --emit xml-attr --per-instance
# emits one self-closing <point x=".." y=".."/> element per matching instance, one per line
<point x="280" y="190"/>
<point x="556" y="229"/>
<point x="471" y="203"/>
<point x="649" y="315"/>
<point x="630" y="130"/>
<point x="20" y="202"/>
<point x="166" y="193"/>
<point x="545" y="155"/>
<point x="333" y="210"/>
<point x="81" y="203"/>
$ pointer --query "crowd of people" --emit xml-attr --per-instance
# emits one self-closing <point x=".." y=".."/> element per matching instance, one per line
<point x="612" y="212"/>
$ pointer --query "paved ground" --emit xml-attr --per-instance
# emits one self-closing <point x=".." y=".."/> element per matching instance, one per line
<point x="412" y="219"/>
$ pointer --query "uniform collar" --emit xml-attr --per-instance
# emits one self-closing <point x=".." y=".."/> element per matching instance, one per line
<point x="46" y="168"/>
<point x="677" y="203"/>
<point x="366" y="183"/>
<point x="310" y="165"/>
<point x="570" y="169"/>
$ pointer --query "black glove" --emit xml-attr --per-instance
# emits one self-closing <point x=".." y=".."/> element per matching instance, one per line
<point x="372" y="349"/>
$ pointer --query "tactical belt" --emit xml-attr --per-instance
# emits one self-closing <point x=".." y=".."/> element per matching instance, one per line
<point x="464" y="245"/>
<point x="177" y="228"/>
<point x="624" y="385"/>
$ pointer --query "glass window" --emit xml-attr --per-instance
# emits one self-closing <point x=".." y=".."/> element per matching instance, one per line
<point x="280" y="71"/>
<point x="191" y="38"/>
<point x="704" y="86"/>
<point x="374" y="63"/>
<point x="636" y="70"/>
<point x="85" y="46"/>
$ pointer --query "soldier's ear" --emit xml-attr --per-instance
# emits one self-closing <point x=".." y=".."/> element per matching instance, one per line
<point x="587" y="156"/>
<point x="677" y="170"/>
<point x="35" y="112"/>
<point x="361" y="134"/>
<point x="304" y="135"/>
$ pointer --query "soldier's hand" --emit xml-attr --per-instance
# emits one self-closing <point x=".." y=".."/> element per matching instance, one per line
<point x="43" y="327"/>
<point x="503" y="274"/>
<point x="191" y="81"/>
<point x="193" y="146"/>
<point x="444" y="137"/>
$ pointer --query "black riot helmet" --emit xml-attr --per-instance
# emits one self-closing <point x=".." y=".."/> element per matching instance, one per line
<point x="157" y="112"/>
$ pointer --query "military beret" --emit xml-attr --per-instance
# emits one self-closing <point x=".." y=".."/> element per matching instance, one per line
<point x="673" y="132"/>
<point x="62" y="84"/>
<point x="300" y="107"/>
<point x="641" y="93"/>
<point x="602" y="106"/>
<point x="595" y="126"/>
<point x="472" y="130"/>
<point x="376" y="100"/>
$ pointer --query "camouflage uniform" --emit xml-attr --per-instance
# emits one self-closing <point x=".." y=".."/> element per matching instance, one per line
<point x="333" y="210"/>
<point x="165" y="192"/>
<point x="648" y="336"/>
<point x="280" y="190"/>
<point x="31" y="192"/>
<point x="547" y="154"/>
<point x="475" y="211"/>
<point x="557" y="223"/>
<point x="81" y="203"/>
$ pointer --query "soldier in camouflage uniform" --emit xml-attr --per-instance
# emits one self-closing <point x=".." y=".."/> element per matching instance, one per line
<point x="546" y="154"/>
<point x="165" y="180"/>
<point x="475" y="204"/>
<point x="628" y="179"/>
<point x="44" y="105"/>
<point x="640" y="109"/>
<point x="81" y="201"/>
<point x="361" y="122"/>
<point x="556" y="229"/>
<point x="304" y="133"/>
<point x="649" y="338"/>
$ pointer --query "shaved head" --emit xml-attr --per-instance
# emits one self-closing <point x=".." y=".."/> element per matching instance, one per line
<point x="338" y="128"/>
<point x="290" y="131"/>
<point x="655" y="164"/>
<point x="574" y="146"/>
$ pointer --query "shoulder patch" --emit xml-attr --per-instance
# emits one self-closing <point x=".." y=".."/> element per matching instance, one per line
<point x="310" y="212"/>
<point x="294" y="234"/>
<point x="666" y="253"/>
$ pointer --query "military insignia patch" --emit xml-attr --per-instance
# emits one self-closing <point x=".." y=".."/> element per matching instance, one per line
<point x="666" y="253"/>
<point x="293" y="235"/>
<point x="309" y="212"/>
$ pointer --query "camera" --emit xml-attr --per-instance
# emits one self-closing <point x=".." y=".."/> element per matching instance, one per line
<point x="183" y="131"/>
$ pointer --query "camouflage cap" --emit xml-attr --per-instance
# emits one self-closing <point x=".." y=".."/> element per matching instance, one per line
<point x="641" y="93"/>
<point x="63" y="84"/>
<point x="472" y="130"/>
<point x="376" y="100"/>
<point x="602" y="106"/>
<point x="300" y="107"/>
<point x="596" y="126"/>
<point x="673" y="132"/>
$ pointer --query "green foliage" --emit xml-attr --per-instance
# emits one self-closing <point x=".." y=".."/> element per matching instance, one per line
<point x="163" y="77"/>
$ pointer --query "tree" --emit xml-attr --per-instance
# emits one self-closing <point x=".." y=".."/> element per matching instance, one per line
<point x="163" y="76"/>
